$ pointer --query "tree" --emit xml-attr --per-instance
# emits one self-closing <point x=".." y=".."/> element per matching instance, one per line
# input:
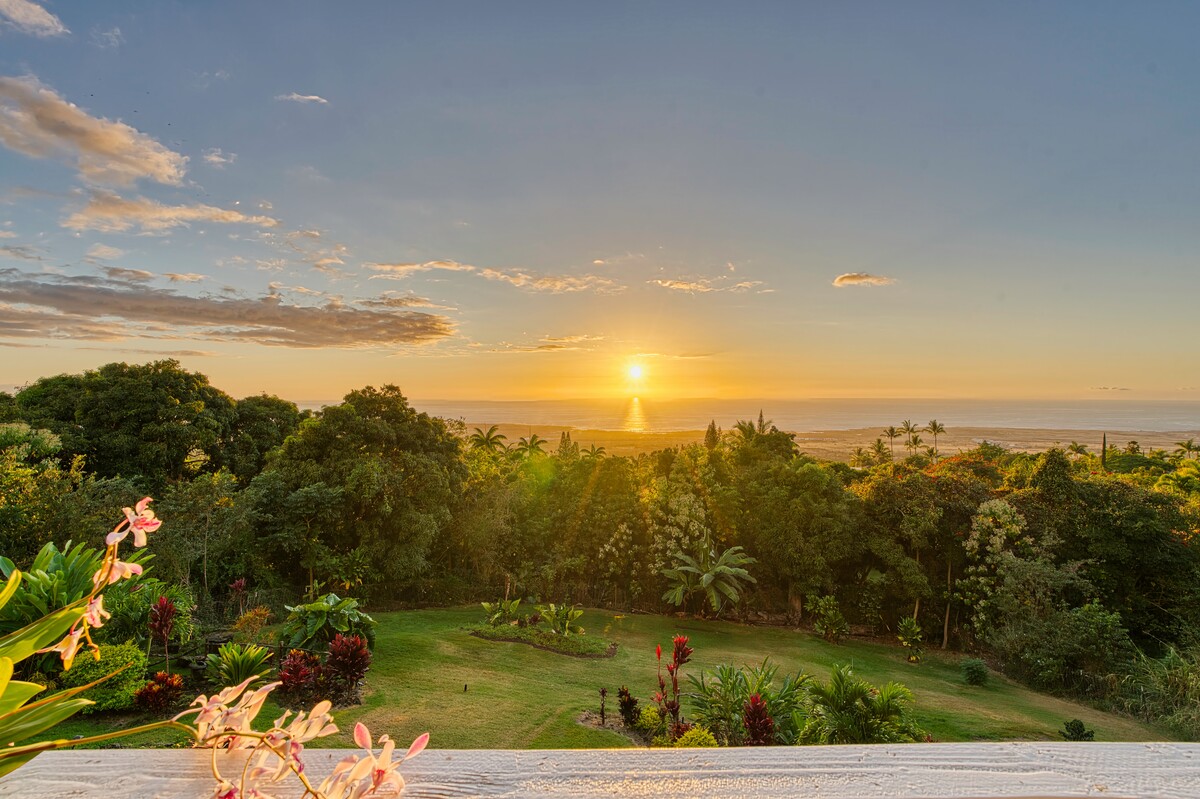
<point x="261" y="424"/>
<point x="712" y="436"/>
<point x="913" y="444"/>
<point x="1077" y="449"/>
<point x="935" y="428"/>
<point x="880" y="451"/>
<point x="1186" y="449"/>
<point x="532" y="445"/>
<point x="489" y="440"/>
<point x="909" y="429"/>
<point x="716" y="578"/>
<point x="567" y="449"/>
<point x="860" y="458"/>
<point x="891" y="434"/>
<point x="594" y="452"/>
<point x="380" y="479"/>
<point x="849" y="710"/>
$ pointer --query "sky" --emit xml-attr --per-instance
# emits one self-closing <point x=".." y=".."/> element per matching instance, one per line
<point x="528" y="200"/>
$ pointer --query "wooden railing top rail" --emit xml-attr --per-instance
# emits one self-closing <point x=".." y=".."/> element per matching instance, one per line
<point x="914" y="771"/>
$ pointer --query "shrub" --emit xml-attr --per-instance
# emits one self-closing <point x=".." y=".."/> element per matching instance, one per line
<point x="696" y="737"/>
<point x="314" y="624"/>
<point x="1165" y="690"/>
<point x="849" y="710"/>
<point x="718" y="700"/>
<point x="1065" y="649"/>
<point x="502" y="611"/>
<point x="1074" y="730"/>
<point x="161" y="693"/>
<point x="650" y="722"/>
<point x="629" y="707"/>
<point x="249" y="626"/>
<point x="561" y="619"/>
<point x="828" y="621"/>
<point x="117" y="692"/>
<point x="347" y="663"/>
<point x="756" y="719"/>
<point x="234" y="663"/>
<point x="974" y="671"/>
<point x="909" y="633"/>
<point x="301" y="675"/>
<point x="130" y="606"/>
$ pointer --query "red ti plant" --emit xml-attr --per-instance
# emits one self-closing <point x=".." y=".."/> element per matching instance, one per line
<point x="238" y="589"/>
<point x="681" y="654"/>
<point x="756" y="718"/>
<point x="162" y="624"/>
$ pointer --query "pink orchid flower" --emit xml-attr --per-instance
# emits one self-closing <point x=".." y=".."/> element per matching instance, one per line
<point x="118" y="571"/>
<point x="68" y="647"/>
<point x="95" y="614"/>
<point x="140" y="520"/>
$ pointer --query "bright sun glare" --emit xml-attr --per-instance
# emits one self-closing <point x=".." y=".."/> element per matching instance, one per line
<point x="635" y="372"/>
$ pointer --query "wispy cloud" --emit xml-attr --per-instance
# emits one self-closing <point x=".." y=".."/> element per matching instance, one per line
<point x="551" y="284"/>
<point x="215" y="157"/>
<point x="105" y="253"/>
<point x="37" y="122"/>
<point x="548" y="344"/>
<point x="123" y="275"/>
<point x="20" y="252"/>
<point x="109" y="212"/>
<point x="110" y="39"/>
<point x="296" y="97"/>
<point x="184" y="277"/>
<point x="705" y="285"/>
<point x="861" y="279"/>
<point x="83" y="307"/>
<point x="29" y="17"/>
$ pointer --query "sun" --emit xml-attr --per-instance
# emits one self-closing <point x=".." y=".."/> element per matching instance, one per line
<point x="635" y="371"/>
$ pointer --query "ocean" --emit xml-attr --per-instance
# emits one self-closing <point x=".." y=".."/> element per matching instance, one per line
<point x="646" y="415"/>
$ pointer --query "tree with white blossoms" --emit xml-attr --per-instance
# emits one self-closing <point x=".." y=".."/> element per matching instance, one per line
<point x="222" y="723"/>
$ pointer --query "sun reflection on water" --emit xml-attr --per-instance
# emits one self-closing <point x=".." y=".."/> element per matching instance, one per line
<point x="635" y="417"/>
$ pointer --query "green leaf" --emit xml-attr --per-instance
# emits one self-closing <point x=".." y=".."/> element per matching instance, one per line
<point x="10" y="763"/>
<point x="40" y="634"/>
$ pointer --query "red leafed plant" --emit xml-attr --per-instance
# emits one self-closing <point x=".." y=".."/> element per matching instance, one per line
<point x="680" y="655"/>
<point x="348" y="661"/>
<point x="300" y="674"/>
<point x="159" y="693"/>
<point x="162" y="624"/>
<point x="760" y="727"/>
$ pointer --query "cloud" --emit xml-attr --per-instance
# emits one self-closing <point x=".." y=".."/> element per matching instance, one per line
<point x="576" y="339"/>
<point x="104" y="252"/>
<point x="85" y="307"/>
<point x="7" y="234"/>
<point x="110" y="39"/>
<point x="552" y="284"/>
<point x="861" y="279"/>
<point x="295" y="97"/>
<point x="108" y="212"/>
<point x="29" y="17"/>
<point x="391" y="299"/>
<point x="184" y="277"/>
<point x="20" y="252"/>
<point x="215" y="157"/>
<point x="159" y="353"/>
<point x="399" y="271"/>
<point x="572" y="343"/>
<point x="309" y="173"/>
<point x="128" y="275"/>
<point x="1110" y="388"/>
<point x="705" y="285"/>
<point x="36" y="121"/>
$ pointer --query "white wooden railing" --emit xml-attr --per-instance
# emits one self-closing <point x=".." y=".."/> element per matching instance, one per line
<point x="925" y="771"/>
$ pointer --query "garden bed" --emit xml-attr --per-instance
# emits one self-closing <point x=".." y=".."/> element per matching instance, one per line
<point x="576" y="646"/>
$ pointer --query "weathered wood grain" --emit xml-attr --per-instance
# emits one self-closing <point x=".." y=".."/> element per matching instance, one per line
<point x="924" y="771"/>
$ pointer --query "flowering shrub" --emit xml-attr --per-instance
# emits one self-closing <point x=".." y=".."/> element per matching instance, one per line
<point x="669" y="706"/>
<point x="160" y="693"/>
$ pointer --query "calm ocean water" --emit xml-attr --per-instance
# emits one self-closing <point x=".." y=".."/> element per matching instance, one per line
<point x="825" y="414"/>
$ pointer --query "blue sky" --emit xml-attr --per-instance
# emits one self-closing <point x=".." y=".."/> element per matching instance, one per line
<point x="521" y="200"/>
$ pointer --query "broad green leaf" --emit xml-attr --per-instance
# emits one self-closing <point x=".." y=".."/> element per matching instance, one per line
<point x="10" y="763"/>
<point x="17" y="693"/>
<point x="37" y="718"/>
<point x="41" y="634"/>
<point x="10" y="587"/>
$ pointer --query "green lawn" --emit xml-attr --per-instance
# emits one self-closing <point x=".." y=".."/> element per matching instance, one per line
<point x="519" y="697"/>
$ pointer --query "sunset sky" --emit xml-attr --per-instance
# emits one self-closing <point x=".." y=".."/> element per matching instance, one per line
<point x="526" y="200"/>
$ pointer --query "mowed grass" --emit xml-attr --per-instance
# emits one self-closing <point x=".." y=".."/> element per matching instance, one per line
<point x="519" y="697"/>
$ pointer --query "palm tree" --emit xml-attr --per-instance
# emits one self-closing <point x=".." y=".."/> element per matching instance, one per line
<point x="880" y="451"/>
<point x="764" y="425"/>
<point x="489" y="440"/>
<point x="1185" y="449"/>
<point x="531" y="445"/>
<point x="935" y="428"/>
<point x="908" y="428"/>
<point x="747" y="430"/>
<point x="913" y="444"/>
<point x="860" y="458"/>
<point x="1077" y="449"/>
<point x="891" y="434"/>
<point x="718" y="578"/>
<point x="594" y="452"/>
<point x="849" y="710"/>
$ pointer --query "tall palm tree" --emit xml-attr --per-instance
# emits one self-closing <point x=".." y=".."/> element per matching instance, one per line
<point x="935" y="428"/>
<point x="1077" y="449"/>
<point x="747" y="430"/>
<point x="488" y="440"/>
<point x="860" y="458"/>
<point x="594" y="452"/>
<point x="891" y="434"/>
<point x="880" y="451"/>
<point x="908" y="428"/>
<point x="1185" y="449"/>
